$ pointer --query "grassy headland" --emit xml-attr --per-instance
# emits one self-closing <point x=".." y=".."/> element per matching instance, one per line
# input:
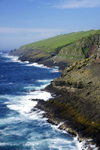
<point x="66" y="47"/>
<point x="54" y="44"/>
<point x="78" y="88"/>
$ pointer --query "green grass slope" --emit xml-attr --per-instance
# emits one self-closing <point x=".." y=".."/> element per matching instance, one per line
<point x="54" y="44"/>
<point x="67" y="47"/>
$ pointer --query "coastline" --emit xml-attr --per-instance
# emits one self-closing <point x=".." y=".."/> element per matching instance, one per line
<point x="81" y="122"/>
<point x="64" y="126"/>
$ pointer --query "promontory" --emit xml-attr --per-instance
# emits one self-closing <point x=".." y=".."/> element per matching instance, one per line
<point x="77" y="100"/>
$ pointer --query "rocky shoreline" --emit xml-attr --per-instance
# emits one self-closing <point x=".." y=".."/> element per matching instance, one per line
<point x="41" y="57"/>
<point x="76" y="104"/>
<point x="66" y="124"/>
<point x="86" y="142"/>
<point x="77" y="101"/>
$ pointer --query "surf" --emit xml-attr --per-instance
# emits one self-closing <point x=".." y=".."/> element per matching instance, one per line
<point x="20" y="126"/>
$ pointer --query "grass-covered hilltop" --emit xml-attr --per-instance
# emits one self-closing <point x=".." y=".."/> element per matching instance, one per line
<point x="77" y="100"/>
<point x="66" y="47"/>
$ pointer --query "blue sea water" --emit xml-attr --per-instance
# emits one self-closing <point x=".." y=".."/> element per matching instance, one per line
<point x="20" y="127"/>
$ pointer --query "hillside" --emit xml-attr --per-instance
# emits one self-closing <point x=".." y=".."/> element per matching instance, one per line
<point x="54" y="44"/>
<point x="66" y="48"/>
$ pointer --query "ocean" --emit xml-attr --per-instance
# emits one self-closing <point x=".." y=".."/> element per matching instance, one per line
<point x="20" y="127"/>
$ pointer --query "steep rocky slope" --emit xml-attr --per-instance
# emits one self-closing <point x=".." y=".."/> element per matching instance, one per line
<point x="81" y="48"/>
<point x="77" y="103"/>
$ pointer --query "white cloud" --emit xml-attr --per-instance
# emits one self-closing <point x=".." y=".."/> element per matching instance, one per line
<point x="27" y="30"/>
<point x="78" y="4"/>
<point x="16" y="37"/>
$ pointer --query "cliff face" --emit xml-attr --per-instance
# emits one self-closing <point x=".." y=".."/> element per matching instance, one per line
<point x="78" y="100"/>
<point x="82" y="48"/>
<point x="82" y="80"/>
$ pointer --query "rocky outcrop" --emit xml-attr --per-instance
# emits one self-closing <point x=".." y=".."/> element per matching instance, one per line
<point x="77" y="103"/>
<point x="82" y="48"/>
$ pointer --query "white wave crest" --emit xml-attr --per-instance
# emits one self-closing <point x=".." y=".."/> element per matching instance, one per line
<point x="7" y="144"/>
<point x="37" y="65"/>
<point x="31" y="87"/>
<point x="24" y="104"/>
<point x="84" y="146"/>
<point x="54" y="70"/>
<point x="41" y="95"/>
<point x="26" y="62"/>
<point x="45" y="80"/>
<point x="14" y="59"/>
<point x="11" y="58"/>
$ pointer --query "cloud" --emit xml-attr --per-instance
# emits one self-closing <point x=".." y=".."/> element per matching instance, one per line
<point x="27" y="30"/>
<point x="78" y="4"/>
<point x="16" y="37"/>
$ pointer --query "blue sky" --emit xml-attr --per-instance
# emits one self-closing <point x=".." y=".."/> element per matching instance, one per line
<point x="26" y="21"/>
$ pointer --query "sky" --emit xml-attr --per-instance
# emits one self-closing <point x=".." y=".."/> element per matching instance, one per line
<point x="26" y="21"/>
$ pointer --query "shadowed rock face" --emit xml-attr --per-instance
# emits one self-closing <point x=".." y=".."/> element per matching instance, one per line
<point x="92" y="50"/>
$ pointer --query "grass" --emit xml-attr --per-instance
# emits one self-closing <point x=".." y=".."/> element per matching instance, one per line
<point x="85" y="51"/>
<point x="68" y="56"/>
<point x="54" y="44"/>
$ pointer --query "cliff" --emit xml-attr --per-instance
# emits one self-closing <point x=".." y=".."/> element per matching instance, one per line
<point x="77" y="101"/>
<point x="60" y="50"/>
